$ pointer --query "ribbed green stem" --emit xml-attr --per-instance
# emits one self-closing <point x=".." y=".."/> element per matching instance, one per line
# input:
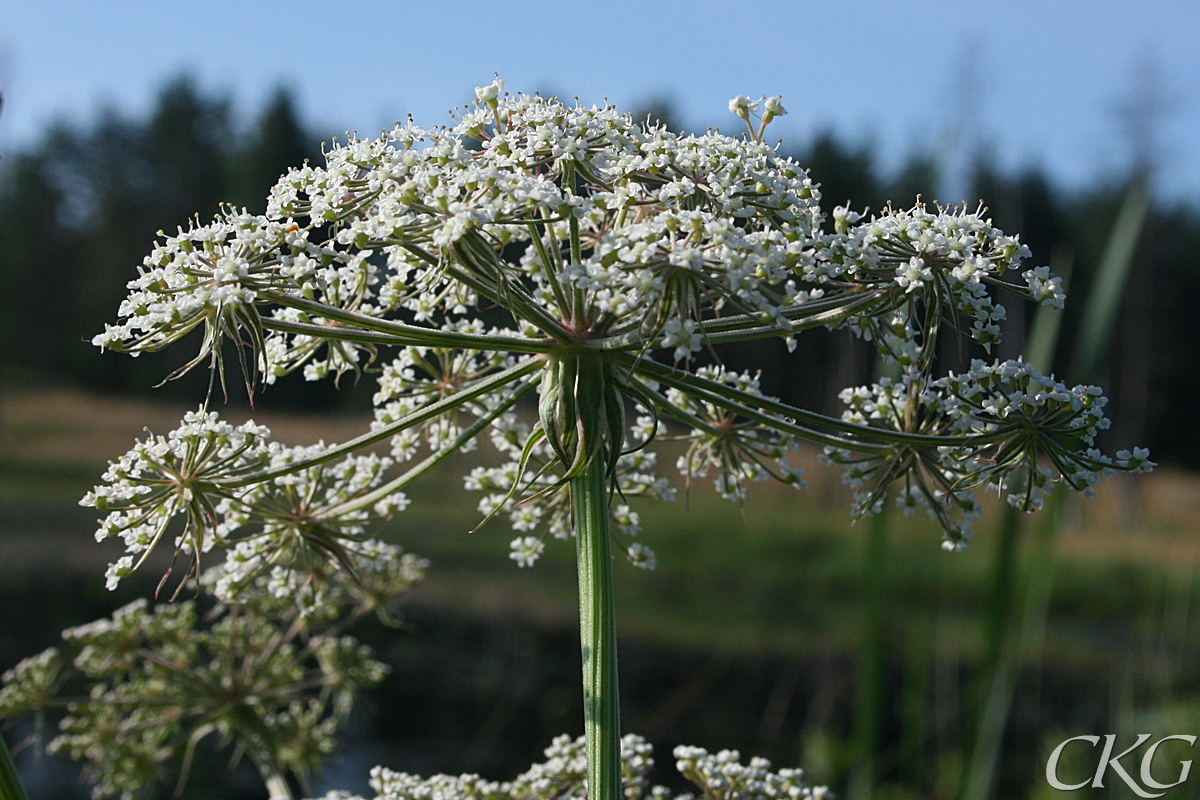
<point x="10" y="784"/>
<point x="277" y="785"/>
<point x="597" y="632"/>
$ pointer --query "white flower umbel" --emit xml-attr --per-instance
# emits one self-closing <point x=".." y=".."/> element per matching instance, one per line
<point x="1023" y="433"/>
<point x="573" y="253"/>
<point x="563" y="776"/>
<point x="186" y="476"/>
<point x="933" y="267"/>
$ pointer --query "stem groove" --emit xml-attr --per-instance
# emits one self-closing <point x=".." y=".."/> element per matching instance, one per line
<point x="597" y="632"/>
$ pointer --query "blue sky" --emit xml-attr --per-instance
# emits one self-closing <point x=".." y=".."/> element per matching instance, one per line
<point x="1033" y="82"/>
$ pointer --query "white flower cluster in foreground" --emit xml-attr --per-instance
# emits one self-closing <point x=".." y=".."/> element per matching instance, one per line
<point x="570" y="253"/>
<point x="563" y="776"/>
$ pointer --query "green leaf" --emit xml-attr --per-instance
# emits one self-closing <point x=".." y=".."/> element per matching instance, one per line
<point x="10" y="784"/>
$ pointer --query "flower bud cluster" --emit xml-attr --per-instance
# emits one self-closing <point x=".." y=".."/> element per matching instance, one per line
<point x="213" y="275"/>
<point x="420" y="376"/>
<point x="722" y="776"/>
<point x="673" y="223"/>
<point x="29" y="686"/>
<point x="1044" y="432"/>
<point x="927" y="476"/>
<point x="157" y="679"/>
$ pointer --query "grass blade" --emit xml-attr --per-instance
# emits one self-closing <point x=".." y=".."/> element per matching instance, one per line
<point x="1095" y="329"/>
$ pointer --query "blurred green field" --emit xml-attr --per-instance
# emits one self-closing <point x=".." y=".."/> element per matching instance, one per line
<point x="748" y="634"/>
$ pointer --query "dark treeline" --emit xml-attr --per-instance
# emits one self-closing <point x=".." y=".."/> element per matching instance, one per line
<point x="79" y="211"/>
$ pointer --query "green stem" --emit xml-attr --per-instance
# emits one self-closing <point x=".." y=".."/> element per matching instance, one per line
<point x="747" y="327"/>
<point x="375" y="495"/>
<point x="776" y="415"/>
<point x="277" y="786"/>
<point x="597" y="632"/>
<point x="366" y="337"/>
<point x="478" y="389"/>
<point x="372" y="330"/>
<point x="10" y="784"/>
<point x="568" y="179"/>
